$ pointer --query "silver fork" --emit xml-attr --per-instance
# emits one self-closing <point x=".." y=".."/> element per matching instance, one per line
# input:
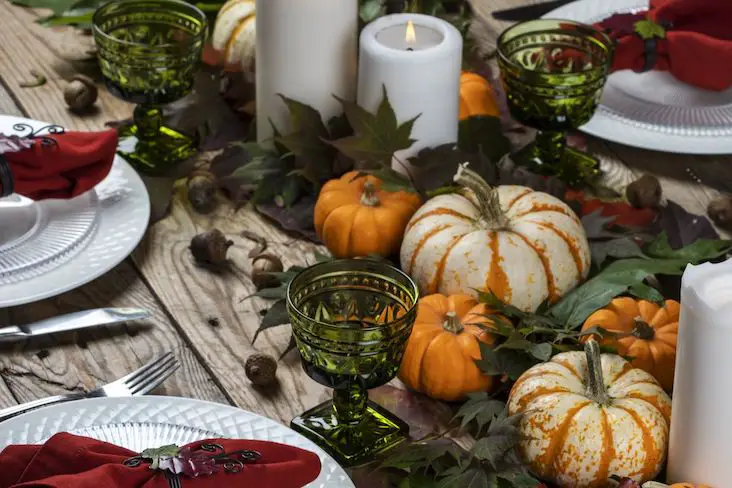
<point x="137" y="383"/>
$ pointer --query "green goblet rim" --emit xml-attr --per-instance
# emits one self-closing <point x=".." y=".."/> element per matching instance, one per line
<point x="194" y="39"/>
<point x="583" y="30"/>
<point x="414" y="290"/>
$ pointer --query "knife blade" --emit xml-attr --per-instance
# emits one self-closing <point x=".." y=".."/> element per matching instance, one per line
<point x="73" y="321"/>
<point x="529" y="12"/>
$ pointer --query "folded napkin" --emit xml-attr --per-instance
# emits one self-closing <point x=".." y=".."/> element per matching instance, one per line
<point x="69" y="461"/>
<point x="58" y="165"/>
<point x="691" y="39"/>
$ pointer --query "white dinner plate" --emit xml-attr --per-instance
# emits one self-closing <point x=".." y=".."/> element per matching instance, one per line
<point x="653" y="110"/>
<point x="139" y="423"/>
<point x="72" y="241"/>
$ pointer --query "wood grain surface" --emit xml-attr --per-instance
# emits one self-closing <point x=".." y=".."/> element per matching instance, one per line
<point x="203" y="315"/>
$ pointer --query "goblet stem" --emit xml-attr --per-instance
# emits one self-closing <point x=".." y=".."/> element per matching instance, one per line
<point x="550" y="149"/>
<point x="350" y="402"/>
<point x="149" y="120"/>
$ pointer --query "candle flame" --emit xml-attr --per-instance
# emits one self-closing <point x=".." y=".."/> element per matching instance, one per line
<point x="411" y="35"/>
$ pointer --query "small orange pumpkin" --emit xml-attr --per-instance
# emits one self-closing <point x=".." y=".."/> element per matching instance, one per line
<point x="476" y="96"/>
<point x="646" y="332"/>
<point x="355" y="217"/>
<point x="688" y="485"/>
<point x="439" y="360"/>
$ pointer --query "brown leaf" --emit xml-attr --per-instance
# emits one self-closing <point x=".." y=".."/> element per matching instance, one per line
<point x="297" y="218"/>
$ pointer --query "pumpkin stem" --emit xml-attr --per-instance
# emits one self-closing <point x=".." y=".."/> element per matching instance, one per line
<point x="452" y="324"/>
<point x="368" y="197"/>
<point x="642" y="330"/>
<point x="487" y="196"/>
<point x="595" y="384"/>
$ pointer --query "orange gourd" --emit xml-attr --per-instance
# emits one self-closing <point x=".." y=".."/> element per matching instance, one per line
<point x="688" y="485"/>
<point x="439" y="359"/>
<point x="476" y="96"/>
<point x="355" y="217"/>
<point x="646" y="332"/>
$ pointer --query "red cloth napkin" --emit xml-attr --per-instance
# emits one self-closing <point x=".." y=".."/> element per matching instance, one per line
<point x="69" y="461"/>
<point x="697" y="48"/>
<point x="75" y="164"/>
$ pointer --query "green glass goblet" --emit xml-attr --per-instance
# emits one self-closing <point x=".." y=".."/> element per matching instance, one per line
<point x="351" y="319"/>
<point x="553" y="73"/>
<point x="149" y="52"/>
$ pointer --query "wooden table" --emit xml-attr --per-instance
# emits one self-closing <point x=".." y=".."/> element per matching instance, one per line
<point x="198" y="315"/>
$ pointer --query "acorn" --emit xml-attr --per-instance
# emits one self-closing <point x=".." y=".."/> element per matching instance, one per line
<point x="81" y="93"/>
<point x="202" y="192"/>
<point x="210" y="247"/>
<point x="645" y="192"/>
<point x="263" y="265"/>
<point x="261" y="369"/>
<point x="720" y="211"/>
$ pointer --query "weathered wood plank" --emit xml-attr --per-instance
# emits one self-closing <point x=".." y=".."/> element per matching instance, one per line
<point x="26" y="46"/>
<point x="82" y="360"/>
<point x="195" y="296"/>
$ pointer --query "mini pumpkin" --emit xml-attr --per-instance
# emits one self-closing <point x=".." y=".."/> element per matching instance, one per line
<point x="234" y="33"/>
<point x="355" y="217"/>
<point x="588" y="416"/>
<point x="524" y="246"/>
<point x="645" y="331"/>
<point x="439" y="359"/>
<point x="656" y="484"/>
<point x="477" y="97"/>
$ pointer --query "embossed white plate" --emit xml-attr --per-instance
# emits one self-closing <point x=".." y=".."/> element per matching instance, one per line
<point x="139" y="423"/>
<point x="653" y="110"/>
<point x="118" y="211"/>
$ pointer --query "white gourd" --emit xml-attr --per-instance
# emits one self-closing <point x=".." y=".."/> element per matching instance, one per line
<point x="234" y="34"/>
<point x="523" y="245"/>
<point x="587" y="416"/>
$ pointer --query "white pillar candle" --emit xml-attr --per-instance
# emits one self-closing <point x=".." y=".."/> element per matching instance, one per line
<point x="307" y="51"/>
<point x="701" y="424"/>
<point x="420" y="69"/>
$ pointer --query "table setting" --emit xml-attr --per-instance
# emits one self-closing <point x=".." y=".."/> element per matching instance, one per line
<point x="365" y="243"/>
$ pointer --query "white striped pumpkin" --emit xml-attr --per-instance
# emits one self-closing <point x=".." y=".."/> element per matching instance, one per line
<point x="586" y="417"/>
<point x="524" y="246"/>
<point x="234" y="33"/>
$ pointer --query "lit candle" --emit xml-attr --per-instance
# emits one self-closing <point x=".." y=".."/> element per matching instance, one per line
<point x="418" y="58"/>
<point x="306" y="50"/>
<point x="701" y="424"/>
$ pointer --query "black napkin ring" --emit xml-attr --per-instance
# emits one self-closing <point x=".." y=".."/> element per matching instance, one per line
<point x="6" y="178"/>
<point x="650" y="48"/>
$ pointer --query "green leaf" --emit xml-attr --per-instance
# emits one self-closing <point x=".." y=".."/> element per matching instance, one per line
<point x="484" y="135"/>
<point x="519" y="480"/>
<point x="470" y="478"/>
<point x="274" y="293"/>
<point x="438" y="165"/>
<point x="306" y="141"/>
<point x="696" y="252"/>
<point x="259" y="168"/>
<point x="422" y="455"/>
<point x="509" y="362"/>
<point x="480" y="407"/>
<point x="154" y="455"/>
<point x="371" y="9"/>
<point x="276" y="315"/>
<point x="377" y="136"/>
<point x="620" y="248"/>
<point x="391" y="180"/>
<point x="542" y="352"/>
<point x="647" y="29"/>
<point x="645" y="292"/>
<point x="628" y="276"/>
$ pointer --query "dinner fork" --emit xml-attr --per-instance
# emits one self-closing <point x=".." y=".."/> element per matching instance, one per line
<point x="137" y="383"/>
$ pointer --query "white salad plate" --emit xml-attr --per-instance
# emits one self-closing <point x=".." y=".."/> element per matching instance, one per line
<point x="53" y="246"/>
<point x="139" y="423"/>
<point x="653" y="110"/>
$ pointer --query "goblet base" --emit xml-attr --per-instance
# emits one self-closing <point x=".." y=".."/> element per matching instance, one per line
<point x="158" y="155"/>
<point x="352" y="444"/>
<point x="574" y="167"/>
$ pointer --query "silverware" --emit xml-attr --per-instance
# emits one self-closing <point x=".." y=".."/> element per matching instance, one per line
<point x="137" y="383"/>
<point x="529" y="12"/>
<point x="72" y="321"/>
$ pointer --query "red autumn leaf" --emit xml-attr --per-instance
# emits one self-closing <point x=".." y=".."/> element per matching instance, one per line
<point x="625" y="214"/>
